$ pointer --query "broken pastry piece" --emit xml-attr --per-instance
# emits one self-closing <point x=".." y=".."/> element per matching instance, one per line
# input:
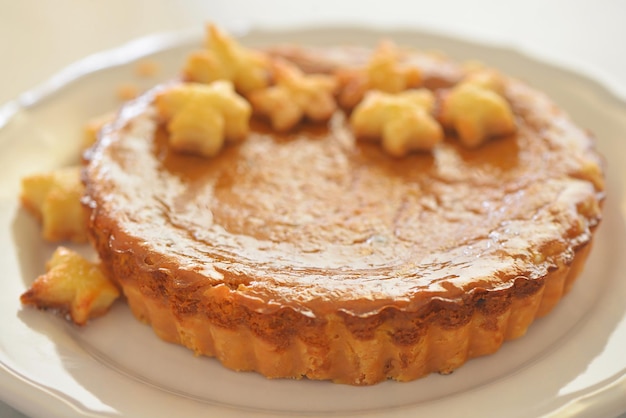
<point x="477" y="109"/>
<point x="93" y="127"/>
<point x="54" y="199"/>
<point x="201" y="118"/>
<point x="225" y="59"/>
<point x="295" y="96"/>
<point x="72" y="285"/>
<point x="384" y="72"/>
<point x="403" y="121"/>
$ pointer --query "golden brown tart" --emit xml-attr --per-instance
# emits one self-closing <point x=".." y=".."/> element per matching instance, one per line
<point x="311" y="254"/>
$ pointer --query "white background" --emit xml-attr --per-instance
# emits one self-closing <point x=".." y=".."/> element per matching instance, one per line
<point x="41" y="37"/>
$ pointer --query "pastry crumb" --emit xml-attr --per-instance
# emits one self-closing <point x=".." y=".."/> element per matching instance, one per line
<point x="127" y="91"/>
<point x="147" y="68"/>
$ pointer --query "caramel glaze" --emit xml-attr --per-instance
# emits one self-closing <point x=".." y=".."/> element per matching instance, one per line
<point x="279" y="231"/>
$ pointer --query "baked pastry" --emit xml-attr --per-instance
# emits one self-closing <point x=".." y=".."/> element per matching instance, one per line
<point x="308" y="253"/>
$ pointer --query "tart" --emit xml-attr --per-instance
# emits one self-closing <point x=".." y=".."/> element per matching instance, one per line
<point x="306" y="252"/>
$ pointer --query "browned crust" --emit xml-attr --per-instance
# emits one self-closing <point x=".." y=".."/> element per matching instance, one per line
<point x="393" y="344"/>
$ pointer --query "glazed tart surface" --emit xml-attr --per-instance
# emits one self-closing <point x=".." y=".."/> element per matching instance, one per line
<point x="309" y="253"/>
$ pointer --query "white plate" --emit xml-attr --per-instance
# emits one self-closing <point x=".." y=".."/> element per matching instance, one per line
<point x="571" y="362"/>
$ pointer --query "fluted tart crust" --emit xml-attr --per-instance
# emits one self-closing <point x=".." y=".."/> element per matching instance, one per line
<point x="311" y="254"/>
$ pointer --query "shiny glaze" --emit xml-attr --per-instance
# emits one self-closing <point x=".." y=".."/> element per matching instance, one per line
<point x="318" y="222"/>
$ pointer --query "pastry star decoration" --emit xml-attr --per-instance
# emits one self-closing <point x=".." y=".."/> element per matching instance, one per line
<point x="384" y="72"/>
<point x="225" y="59"/>
<point x="201" y="117"/>
<point x="295" y="96"/>
<point x="402" y="121"/>
<point x="73" y="285"/>
<point x="477" y="109"/>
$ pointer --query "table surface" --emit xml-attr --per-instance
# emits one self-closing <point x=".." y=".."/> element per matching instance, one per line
<point x="39" y="37"/>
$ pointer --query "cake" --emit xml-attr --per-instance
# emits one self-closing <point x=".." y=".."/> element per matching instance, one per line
<point x="299" y="250"/>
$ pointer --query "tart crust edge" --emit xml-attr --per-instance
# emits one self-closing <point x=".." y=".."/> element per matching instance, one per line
<point x="340" y="347"/>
